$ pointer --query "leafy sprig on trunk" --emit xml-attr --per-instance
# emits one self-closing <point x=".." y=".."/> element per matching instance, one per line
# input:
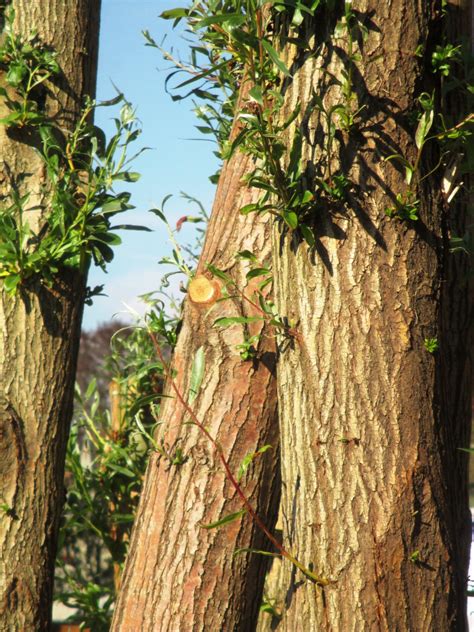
<point x="72" y="224"/>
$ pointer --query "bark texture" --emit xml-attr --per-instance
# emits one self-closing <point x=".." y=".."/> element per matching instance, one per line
<point x="179" y="576"/>
<point x="39" y="337"/>
<point x="374" y="486"/>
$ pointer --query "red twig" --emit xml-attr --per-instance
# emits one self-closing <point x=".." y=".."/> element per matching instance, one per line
<point x="258" y="521"/>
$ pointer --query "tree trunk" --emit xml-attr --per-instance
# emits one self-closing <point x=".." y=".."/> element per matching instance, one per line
<point x="178" y="575"/>
<point x="374" y="482"/>
<point x="39" y="337"/>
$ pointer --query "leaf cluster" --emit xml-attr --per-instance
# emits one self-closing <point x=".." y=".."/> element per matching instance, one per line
<point x="104" y="473"/>
<point x="27" y="65"/>
<point x="235" y="48"/>
<point x="73" y="223"/>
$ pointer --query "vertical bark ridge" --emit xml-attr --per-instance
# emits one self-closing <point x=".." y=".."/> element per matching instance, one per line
<point x="363" y="451"/>
<point x="39" y="337"/>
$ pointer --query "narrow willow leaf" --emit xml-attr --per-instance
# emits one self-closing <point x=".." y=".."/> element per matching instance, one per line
<point x="308" y="196"/>
<point x="257" y="272"/>
<point x="291" y="219"/>
<point x="225" y="520"/>
<point x="14" y="116"/>
<point x="132" y="227"/>
<point x="424" y="126"/>
<point x="210" y="71"/>
<point x="248" y="208"/>
<point x="159" y="214"/>
<point x="122" y="470"/>
<point x="219" y="273"/>
<point x="91" y="388"/>
<point x="172" y="14"/>
<point x="248" y="458"/>
<point x="295" y="154"/>
<point x="117" y="518"/>
<point x="232" y="19"/>
<point x="197" y="373"/>
<point x="275" y="57"/>
<point x="141" y="402"/>
<point x="256" y="94"/>
<point x="246" y="254"/>
<point x="264" y="283"/>
<point x="11" y="282"/>
<point x="235" y="320"/>
<point x="127" y="176"/>
<point x="257" y="551"/>
<point x="308" y="235"/>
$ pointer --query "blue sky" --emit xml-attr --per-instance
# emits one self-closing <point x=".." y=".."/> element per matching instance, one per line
<point x="174" y="164"/>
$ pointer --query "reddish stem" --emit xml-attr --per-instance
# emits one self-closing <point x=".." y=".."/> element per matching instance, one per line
<point x="258" y="521"/>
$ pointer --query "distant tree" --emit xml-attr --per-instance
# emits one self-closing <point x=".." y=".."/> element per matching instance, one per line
<point x="94" y="349"/>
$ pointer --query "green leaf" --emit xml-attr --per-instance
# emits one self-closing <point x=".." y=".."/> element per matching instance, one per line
<point x="275" y="57"/>
<point x="246" y="254"/>
<point x="172" y="14"/>
<point x="226" y="321"/>
<point x="257" y="551"/>
<point x="116" y="205"/>
<point x="257" y="272"/>
<point x="248" y="458"/>
<point x="230" y="518"/>
<point x="249" y="208"/>
<point x="291" y="218"/>
<point x="424" y="126"/>
<point x="131" y="227"/>
<point x="141" y="402"/>
<point x="264" y="284"/>
<point x="107" y="238"/>
<point x="117" y="518"/>
<point x="158" y="213"/>
<point x="109" y="102"/>
<point x="219" y="273"/>
<point x="308" y="196"/>
<point x="233" y="19"/>
<point x="102" y="253"/>
<point x="91" y="388"/>
<point x="127" y="176"/>
<point x="256" y="94"/>
<point x="292" y="117"/>
<point x="197" y="373"/>
<point x="295" y="154"/>
<point x="270" y="609"/>
<point x="297" y="17"/>
<point x="11" y="118"/>
<point x="308" y="235"/>
<point x="229" y="148"/>
<point x="10" y="283"/>
<point x="121" y="470"/>
<point x="399" y="158"/>
<point x="213" y="70"/>
<point x="16" y="73"/>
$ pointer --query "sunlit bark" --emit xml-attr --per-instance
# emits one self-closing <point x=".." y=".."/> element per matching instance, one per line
<point x="39" y="336"/>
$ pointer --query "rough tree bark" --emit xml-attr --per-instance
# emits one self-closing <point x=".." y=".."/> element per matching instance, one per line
<point x="374" y="485"/>
<point x="179" y="576"/>
<point x="39" y="336"/>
